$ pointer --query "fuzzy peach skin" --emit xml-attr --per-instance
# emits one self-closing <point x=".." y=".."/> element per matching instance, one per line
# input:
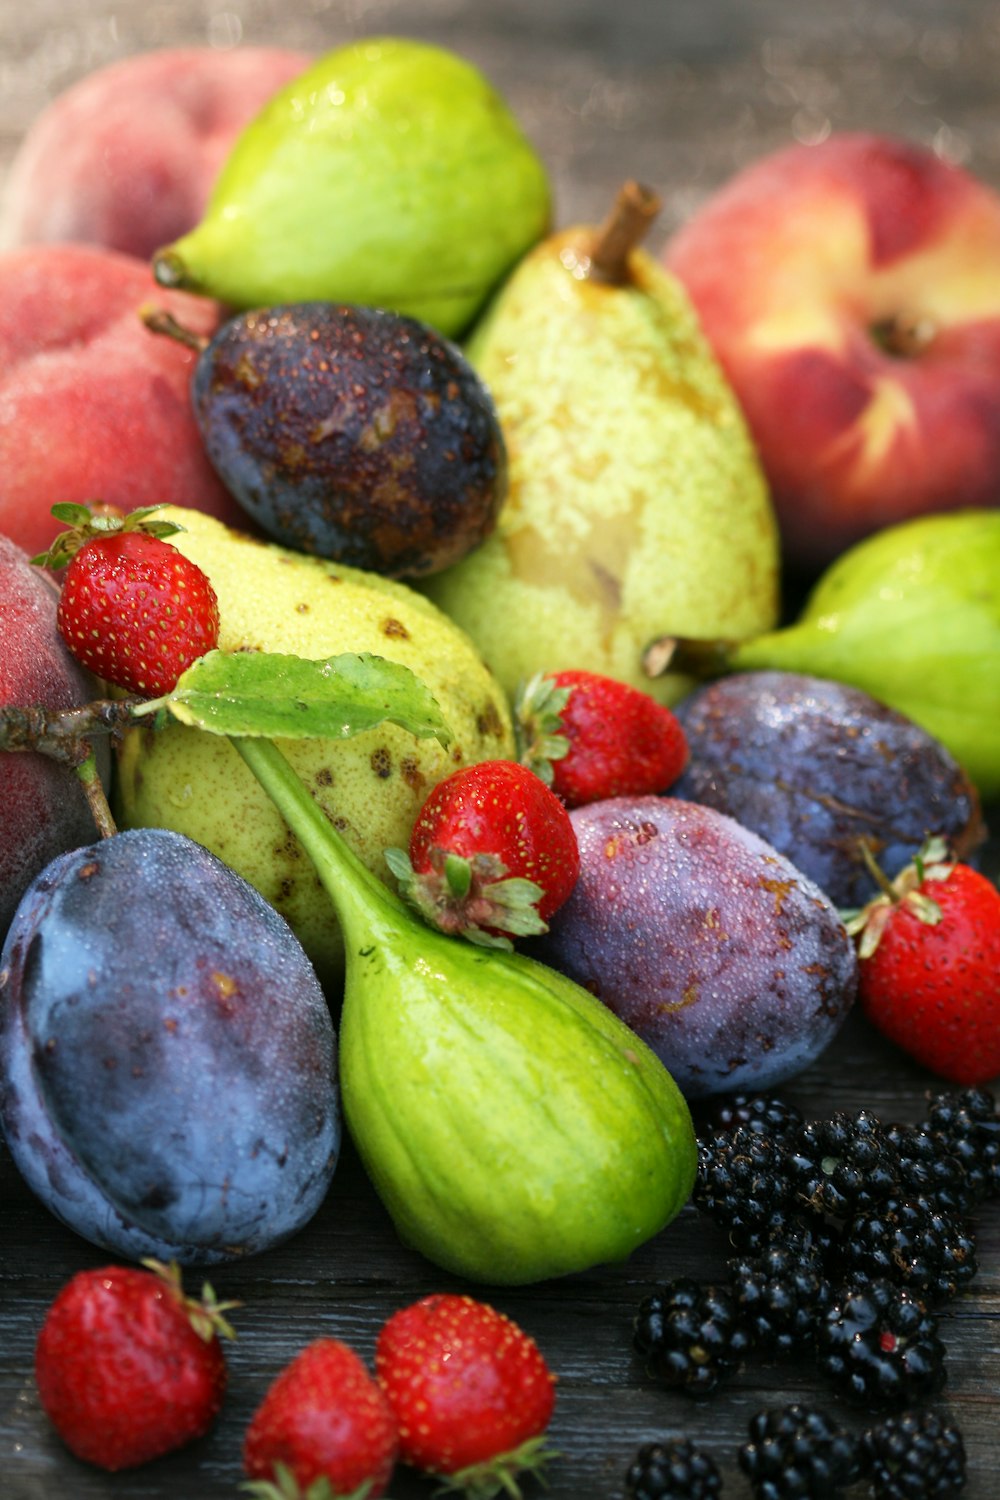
<point x="852" y="293"/>
<point x="127" y="156"/>
<point x="92" y="405"/>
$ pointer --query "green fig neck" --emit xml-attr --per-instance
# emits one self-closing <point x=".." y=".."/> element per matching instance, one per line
<point x="169" y="269"/>
<point x="358" y="896"/>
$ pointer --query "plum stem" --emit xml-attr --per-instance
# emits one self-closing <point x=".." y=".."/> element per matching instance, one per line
<point x="64" y="734"/>
<point x="629" y="221"/>
<point x="159" y="320"/>
<point x="90" y="780"/>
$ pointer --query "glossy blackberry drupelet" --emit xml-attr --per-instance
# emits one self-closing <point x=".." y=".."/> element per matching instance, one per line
<point x="915" y="1455"/>
<point x="690" y="1335"/>
<point x="764" y="1113"/>
<point x="743" y="1184"/>
<point x="929" y="1169"/>
<point x="879" y="1346"/>
<point x="167" y="1059"/>
<point x="780" y="1294"/>
<point x="672" y="1470"/>
<point x="966" y="1120"/>
<point x="913" y="1244"/>
<point x="798" y="1453"/>
<point x="842" y="1164"/>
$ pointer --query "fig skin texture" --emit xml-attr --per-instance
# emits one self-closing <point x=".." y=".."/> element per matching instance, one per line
<point x="817" y="767"/>
<point x="724" y="958"/>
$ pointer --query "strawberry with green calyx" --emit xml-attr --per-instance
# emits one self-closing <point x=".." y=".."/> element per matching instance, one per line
<point x="324" y="1430"/>
<point x="471" y="1392"/>
<point x="133" y="609"/>
<point x="929" y="964"/>
<point x="492" y="853"/>
<point x="590" y="737"/>
<point x="128" y="1367"/>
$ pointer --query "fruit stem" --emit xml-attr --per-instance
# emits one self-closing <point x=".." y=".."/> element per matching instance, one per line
<point x="90" y="780"/>
<point x="629" y="221"/>
<point x="159" y="320"/>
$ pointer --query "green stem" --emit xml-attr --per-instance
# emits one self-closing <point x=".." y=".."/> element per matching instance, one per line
<point x="351" y="886"/>
<point x="91" y="782"/>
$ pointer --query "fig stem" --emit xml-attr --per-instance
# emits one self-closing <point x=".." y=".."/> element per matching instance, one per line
<point x="90" y="780"/>
<point x="159" y="320"/>
<point x="628" y="223"/>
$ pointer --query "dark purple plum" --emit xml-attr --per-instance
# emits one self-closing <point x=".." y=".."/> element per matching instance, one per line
<point x="728" y="962"/>
<point x="167" y="1058"/>
<point x="354" y="434"/>
<point x="43" y="810"/>
<point x="816" y="767"/>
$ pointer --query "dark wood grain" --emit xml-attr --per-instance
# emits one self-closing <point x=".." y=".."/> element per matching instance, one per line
<point x="677" y="95"/>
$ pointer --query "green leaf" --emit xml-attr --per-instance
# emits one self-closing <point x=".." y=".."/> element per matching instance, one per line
<point x="263" y="694"/>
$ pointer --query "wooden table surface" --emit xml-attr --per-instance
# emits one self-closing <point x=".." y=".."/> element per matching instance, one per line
<point x="677" y="93"/>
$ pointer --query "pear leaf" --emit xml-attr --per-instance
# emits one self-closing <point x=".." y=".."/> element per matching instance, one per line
<point x="267" y="694"/>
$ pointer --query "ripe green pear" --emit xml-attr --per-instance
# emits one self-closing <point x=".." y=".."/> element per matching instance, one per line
<point x="636" y="507"/>
<point x="372" y="786"/>
<point x="391" y="173"/>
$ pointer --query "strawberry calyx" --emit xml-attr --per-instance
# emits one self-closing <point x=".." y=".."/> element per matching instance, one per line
<point x="84" y="522"/>
<point x="868" y="922"/>
<point x="500" y="1474"/>
<point x="538" y="725"/>
<point x="285" y="1486"/>
<point x="472" y="897"/>
<point x="206" y="1314"/>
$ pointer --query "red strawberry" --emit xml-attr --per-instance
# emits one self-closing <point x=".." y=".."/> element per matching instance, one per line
<point x="128" y="1367"/>
<point x="591" y="737"/>
<point x="133" y="609"/>
<point x="492" y="852"/>
<point x="929" y="955"/>
<point x="323" y="1418"/>
<point x="471" y="1392"/>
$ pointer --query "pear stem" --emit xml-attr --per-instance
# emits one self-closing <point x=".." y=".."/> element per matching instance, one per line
<point x="159" y="320"/>
<point x="629" y="221"/>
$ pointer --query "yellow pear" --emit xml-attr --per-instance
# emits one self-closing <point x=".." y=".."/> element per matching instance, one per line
<point x="371" y="787"/>
<point x="636" y="508"/>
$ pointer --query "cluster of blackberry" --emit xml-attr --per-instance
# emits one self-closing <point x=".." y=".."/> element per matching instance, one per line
<point x="799" y="1453"/>
<point x="847" y="1233"/>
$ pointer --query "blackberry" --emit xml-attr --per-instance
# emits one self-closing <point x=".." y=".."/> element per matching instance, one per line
<point x="928" y="1168"/>
<point x="780" y="1293"/>
<point x="842" y="1164"/>
<point x="914" y="1456"/>
<point x="765" y="1113"/>
<point x="913" y="1244"/>
<point x="742" y="1183"/>
<point x="879" y="1346"/>
<point x="968" y="1122"/>
<point x="798" y="1453"/>
<point x="673" y="1470"/>
<point x="690" y="1334"/>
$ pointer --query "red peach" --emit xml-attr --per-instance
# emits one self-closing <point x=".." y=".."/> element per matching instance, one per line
<point x="92" y="405"/>
<point x="852" y="293"/>
<point x="127" y="156"/>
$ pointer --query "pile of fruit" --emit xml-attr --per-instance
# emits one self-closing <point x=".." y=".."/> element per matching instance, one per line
<point x="401" y="674"/>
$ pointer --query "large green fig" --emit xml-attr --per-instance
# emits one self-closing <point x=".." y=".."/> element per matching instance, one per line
<point x="391" y="173"/>
<point x="514" y="1128"/>
<point x="911" y="616"/>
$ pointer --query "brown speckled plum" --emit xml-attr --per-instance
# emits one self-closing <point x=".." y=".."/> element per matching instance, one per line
<point x="729" y="962"/>
<point x="42" y="808"/>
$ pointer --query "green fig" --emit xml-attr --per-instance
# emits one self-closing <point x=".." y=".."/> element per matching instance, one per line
<point x="372" y="785"/>
<point x="390" y="173"/>
<point x="513" y="1126"/>
<point x="911" y="615"/>
<point x="636" y="507"/>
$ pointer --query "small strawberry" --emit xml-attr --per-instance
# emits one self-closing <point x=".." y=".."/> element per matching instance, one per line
<point x="128" y="1367"/>
<point x="591" y="737"/>
<point x="133" y="609"/>
<point x="323" y="1429"/>
<point x="492" y="852"/>
<point x="929" y="971"/>
<point x="472" y="1394"/>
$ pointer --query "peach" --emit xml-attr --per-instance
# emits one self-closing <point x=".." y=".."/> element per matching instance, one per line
<point x="127" y="156"/>
<point x="852" y="293"/>
<point x="92" y="405"/>
<point x="43" y="811"/>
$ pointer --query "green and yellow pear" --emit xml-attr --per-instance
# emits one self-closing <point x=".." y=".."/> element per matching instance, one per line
<point x="391" y="173"/>
<point x="371" y="786"/>
<point x="636" y="506"/>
